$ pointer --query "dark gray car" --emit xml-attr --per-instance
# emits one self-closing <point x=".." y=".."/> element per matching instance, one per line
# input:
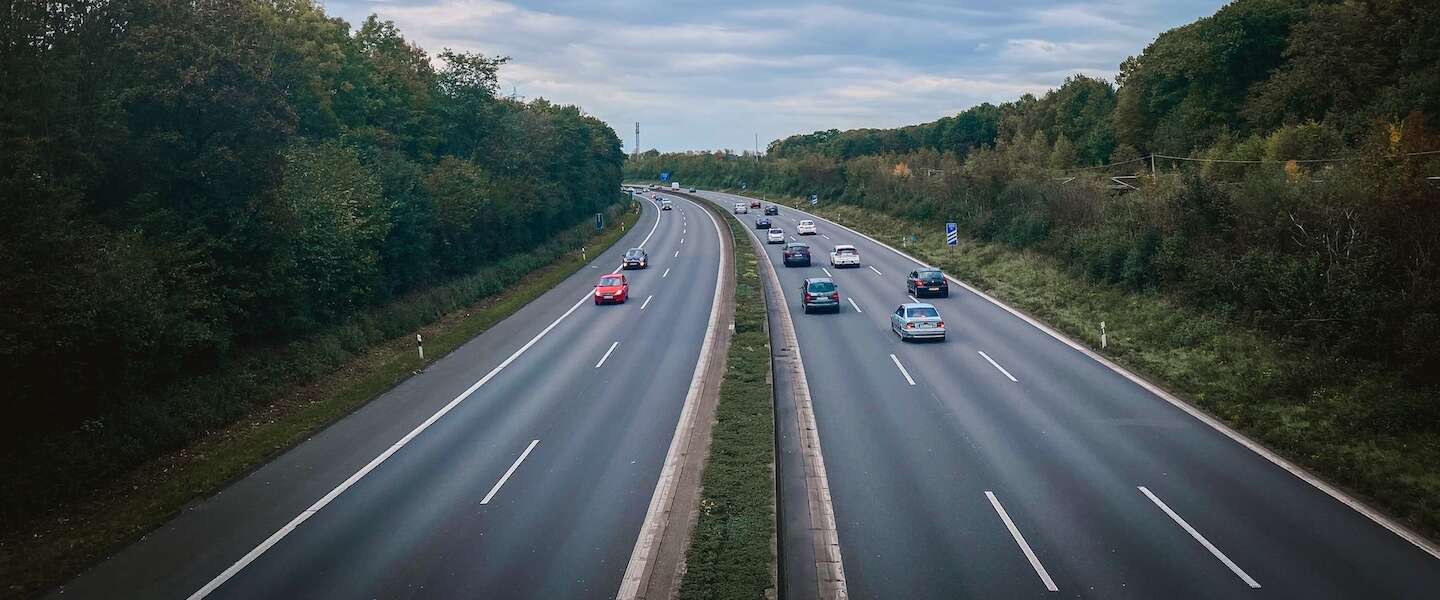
<point x="819" y="293"/>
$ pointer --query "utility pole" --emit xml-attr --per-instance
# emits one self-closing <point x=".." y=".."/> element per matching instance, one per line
<point x="757" y="147"/>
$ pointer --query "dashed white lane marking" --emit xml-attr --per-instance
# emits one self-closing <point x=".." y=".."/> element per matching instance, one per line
<point x="1020" y="539"/>
<point x="646" y="302"/>
<point x="682" y="240"/>
<point x="912" y="298"/>
<point x="677" y="254"/>
<point x="825" y="236"/>
<point x="852" y="303"/>
<point x="997" y="366"/>
<point x="1200" y="538"/>
<point x="514" y="466"/>
<point x="607" y="352"/>
<point x="877" y="271"/>
<point x="665" y="274"/>
<point x="827" y="272"/>
<point x="902" y="369"/>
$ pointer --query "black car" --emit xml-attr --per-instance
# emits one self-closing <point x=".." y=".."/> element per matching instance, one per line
<point x="762" y="223"/>
<point x="927" y="281"/>
<point x="796" y="255"/>
<point x="636" y="258"/>
<point x="772" y="210"/>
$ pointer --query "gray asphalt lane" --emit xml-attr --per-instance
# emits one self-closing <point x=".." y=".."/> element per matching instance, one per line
<point x="562" y="525"/>
<point x="1064" y="450"/>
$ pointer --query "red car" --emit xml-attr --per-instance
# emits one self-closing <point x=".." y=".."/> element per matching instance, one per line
<point x="613" y="288"/>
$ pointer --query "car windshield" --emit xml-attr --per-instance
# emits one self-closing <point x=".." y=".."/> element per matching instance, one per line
<point x="635" y="253"/>
<point x="924" y="311"/>
<point x="821" y="287"/>
<point x="609" y="281"/>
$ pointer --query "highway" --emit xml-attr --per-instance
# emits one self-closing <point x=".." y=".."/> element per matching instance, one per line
<point x="1004" y="463"/>
<point x="519" y="466"/>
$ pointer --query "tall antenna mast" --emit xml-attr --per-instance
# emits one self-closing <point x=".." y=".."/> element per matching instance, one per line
<point x="637" y="138"/>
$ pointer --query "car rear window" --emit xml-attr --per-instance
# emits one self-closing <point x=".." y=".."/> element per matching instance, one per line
<point x="610" y="281"/>
<point x="932" y="275"/>
<point x="777" y="231"/>
<point x="822" y="287"/>
<point x="807" y="222"/>
<point x="846" y="251"/>
<point x="924" y="312"/>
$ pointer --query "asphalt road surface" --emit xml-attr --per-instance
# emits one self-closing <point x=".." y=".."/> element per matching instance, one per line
<point x="534" y="485"/>
<point x="1003" y="463"/>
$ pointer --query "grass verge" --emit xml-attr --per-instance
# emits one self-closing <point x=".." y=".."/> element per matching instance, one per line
<point x="1338" y="419"/>
<point x="75" y="535"/>
<point x="731" y="553"/>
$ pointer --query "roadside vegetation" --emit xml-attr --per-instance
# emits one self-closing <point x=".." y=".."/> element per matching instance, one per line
<point x="1268" y="251"/>
<point x="731" y="552"/>
<point x="206" y="203"/>
<point x="311" y="384"/>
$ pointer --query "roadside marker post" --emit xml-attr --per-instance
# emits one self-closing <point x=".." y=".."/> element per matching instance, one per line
<point x="420" y="346"/>
<point x="952" y="235"/>
<point x="1102" y="335"/>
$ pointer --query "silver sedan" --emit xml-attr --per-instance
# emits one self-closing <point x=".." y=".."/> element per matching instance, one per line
<point x="917" y="320"/>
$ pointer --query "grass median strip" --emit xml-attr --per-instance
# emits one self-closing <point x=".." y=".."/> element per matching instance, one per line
<point x="63" y="545"/>
<point x="731" y="553"/>
<point x="1322" y="412"/>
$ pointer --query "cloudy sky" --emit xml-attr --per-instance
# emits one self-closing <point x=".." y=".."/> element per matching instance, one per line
<point x="713" y="74"/>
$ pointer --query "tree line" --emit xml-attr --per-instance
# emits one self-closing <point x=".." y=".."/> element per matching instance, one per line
<point x="185" y="182"/>
<point x="1341" y="256"/>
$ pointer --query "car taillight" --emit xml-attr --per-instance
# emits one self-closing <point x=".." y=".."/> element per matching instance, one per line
<point x="940" y="324"/>
<point x="835" y="296"/>
<point x="808" y="297"/>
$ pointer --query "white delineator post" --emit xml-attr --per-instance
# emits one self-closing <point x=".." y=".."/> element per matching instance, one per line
<point x="420" y="346"/>
<point x="1102" y="335"/>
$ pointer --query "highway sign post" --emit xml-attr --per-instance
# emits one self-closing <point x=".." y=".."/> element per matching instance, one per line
<point x="664" y="176"/>
<point x="814" y="199"/>
<point x="599" y="221"/>
<point x="952" y="235"/>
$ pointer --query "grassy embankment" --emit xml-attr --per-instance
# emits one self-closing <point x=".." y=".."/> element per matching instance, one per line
<point x="308" y="385"/>
<point x="1322" y="412"/>
<point x="731" y="553"/>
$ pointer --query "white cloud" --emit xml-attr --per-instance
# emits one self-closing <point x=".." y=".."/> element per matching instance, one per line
<point x="709" y="75"/>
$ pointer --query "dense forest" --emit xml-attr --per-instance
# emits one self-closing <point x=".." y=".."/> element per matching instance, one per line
<point x="186" y="183"/>
<point x="1276" y="163"/>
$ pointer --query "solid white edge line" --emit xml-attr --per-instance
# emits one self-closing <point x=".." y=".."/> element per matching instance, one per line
<point x="852" y="303"/>
<point x="280" y="534"/>
<point x="511" y="471"/>
<point x="902" y="369"/>
<point x="658" y="513"/>
<point x="997" y="366"/>
<point x="1354" y="504"/>
<point x="1020" y="539"/>
<point x="666" y="273"/>
<point x="877" y="271"/>
<point x="1200" y="538"/>
<point x="607" y="352"/>
<point x="646" y="302"/>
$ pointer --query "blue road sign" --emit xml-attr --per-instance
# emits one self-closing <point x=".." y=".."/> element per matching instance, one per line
<point x="952" y="234"/>
<point x="664" y="176"/>
<point x="814" y="200"/>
